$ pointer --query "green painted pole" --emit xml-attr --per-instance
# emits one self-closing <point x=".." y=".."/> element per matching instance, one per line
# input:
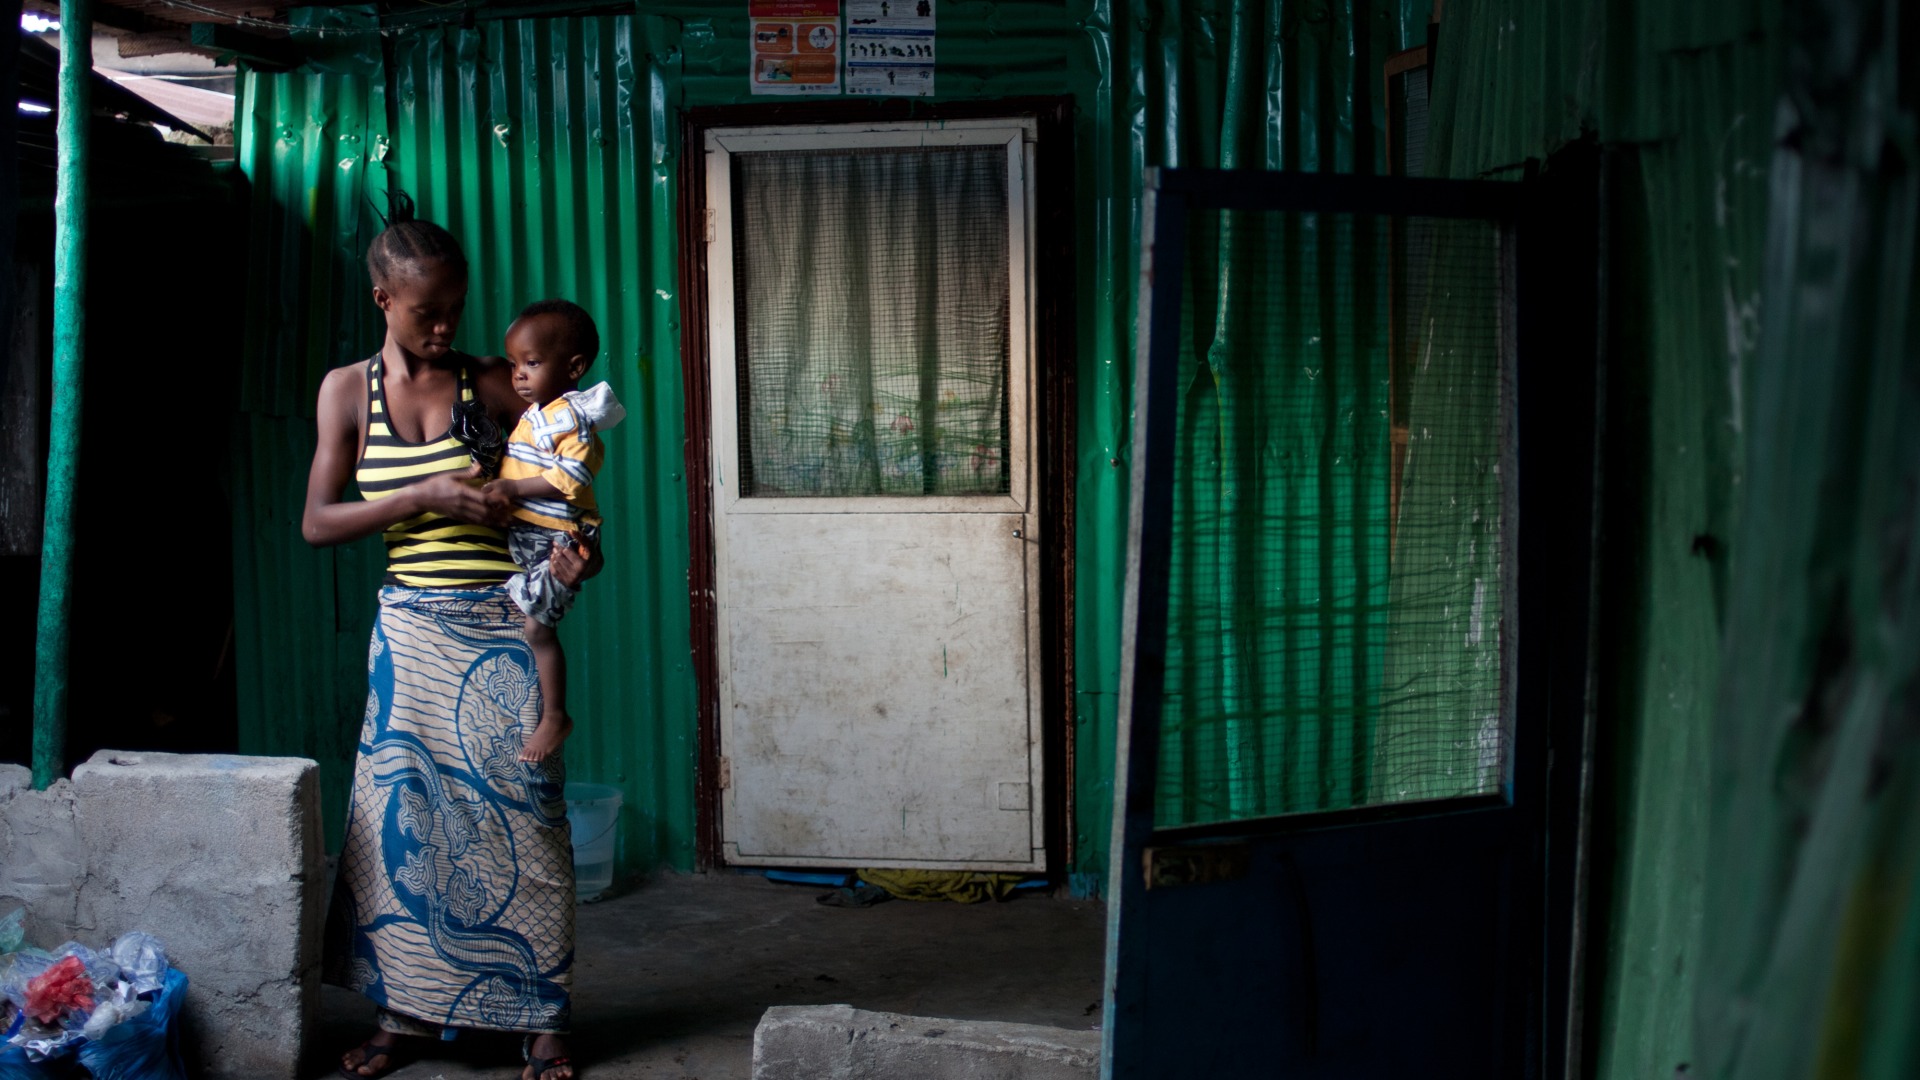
<point x="69" y="356"/>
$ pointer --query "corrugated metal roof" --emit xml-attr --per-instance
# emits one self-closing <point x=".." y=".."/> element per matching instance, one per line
<point x="174" y="19"/>
<point x="202" y="108"/>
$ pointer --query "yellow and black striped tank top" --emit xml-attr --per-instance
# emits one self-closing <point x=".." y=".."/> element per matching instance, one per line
<point x="430" y="551"/>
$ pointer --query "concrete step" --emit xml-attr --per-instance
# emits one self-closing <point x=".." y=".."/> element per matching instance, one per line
<point x="840" y="1042"/>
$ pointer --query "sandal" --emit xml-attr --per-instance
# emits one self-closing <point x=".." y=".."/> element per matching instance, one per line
<point x="540" y="1065"/>
<point x="368" y="1051"/>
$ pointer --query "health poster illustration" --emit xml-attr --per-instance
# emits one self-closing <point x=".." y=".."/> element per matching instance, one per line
<point x="796" y="46"/>
<point x="890" y="47"/>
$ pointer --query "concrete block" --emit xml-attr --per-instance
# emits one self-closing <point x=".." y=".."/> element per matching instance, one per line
<point x="840" y="1042"/>
<point x="220" y="857"/>
<point x="42" y="860"/>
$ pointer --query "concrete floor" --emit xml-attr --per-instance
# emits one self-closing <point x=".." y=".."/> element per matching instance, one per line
<point x="673" y="975"/>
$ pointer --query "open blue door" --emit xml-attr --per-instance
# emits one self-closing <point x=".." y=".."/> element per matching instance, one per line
<point x="1354" y="682"/>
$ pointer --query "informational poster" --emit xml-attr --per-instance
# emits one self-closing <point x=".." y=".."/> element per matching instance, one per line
<point x="890" y="47"/>
<point x="796" y="46"/>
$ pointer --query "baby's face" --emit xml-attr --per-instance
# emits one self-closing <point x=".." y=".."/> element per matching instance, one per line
<point x="542" y="367"/>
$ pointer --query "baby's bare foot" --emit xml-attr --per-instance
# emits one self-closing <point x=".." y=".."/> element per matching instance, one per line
<point x="553" y="731"/>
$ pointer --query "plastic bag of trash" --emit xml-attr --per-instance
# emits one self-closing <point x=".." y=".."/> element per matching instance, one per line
<point x="59" y="993"/>
<point x="96" y="967"/>
<point x="52" y="995"/>
<point x="109" y="1013"/>
<point x="144" y="1047"/>
<point x="13" y="930"/>
<point x="19" y="969"/>
<point x="43" y="1042"/>
<point x="116" y="1006"/>
<point x="16" y="970"/>
<point x="142" y="959"/>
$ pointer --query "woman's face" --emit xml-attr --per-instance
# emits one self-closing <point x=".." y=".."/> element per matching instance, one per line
<point x="423" y="304"/>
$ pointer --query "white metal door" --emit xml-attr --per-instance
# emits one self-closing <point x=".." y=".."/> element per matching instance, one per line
<point x="879" y="699"/>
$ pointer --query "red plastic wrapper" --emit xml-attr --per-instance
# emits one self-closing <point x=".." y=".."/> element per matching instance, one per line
<point x="60" y="989"/>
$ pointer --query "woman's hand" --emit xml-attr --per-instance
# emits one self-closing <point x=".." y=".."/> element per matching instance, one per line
<point x="500" y="497"/>
<point x="462" y="498"/>
<point x="575" y="561"/>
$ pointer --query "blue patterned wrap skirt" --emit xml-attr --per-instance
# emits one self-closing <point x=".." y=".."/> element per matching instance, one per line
<point x="454" y="898"/>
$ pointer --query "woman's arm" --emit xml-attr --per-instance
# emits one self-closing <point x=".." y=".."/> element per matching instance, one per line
<point x="327" y="519"/>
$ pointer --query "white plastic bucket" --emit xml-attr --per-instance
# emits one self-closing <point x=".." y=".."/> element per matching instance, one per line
<point x="593" y="810"/>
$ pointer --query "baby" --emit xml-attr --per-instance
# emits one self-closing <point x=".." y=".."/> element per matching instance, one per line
<point x="548" y="471"/>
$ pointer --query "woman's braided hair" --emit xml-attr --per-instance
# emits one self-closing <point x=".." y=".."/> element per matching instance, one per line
<point x="407" y="242"/>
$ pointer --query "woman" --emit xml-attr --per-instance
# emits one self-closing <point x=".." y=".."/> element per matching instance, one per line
<point x="453" y="906"/>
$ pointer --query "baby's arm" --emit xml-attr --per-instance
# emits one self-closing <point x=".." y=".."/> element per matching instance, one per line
<point x="528" y="487"/>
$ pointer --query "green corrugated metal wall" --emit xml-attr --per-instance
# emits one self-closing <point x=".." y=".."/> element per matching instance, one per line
<point x="1811" y="956"/>
<point x="307" y="142"/>
<point x="522" y="139"/>
<point x="1688" y="92"/>
<point x="1760" y="891"/>
<point x="548" y="146"/>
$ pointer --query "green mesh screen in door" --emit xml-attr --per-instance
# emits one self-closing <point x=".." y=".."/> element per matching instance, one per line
<point x="1335" y="615"/>
<point x="871" y="299"/>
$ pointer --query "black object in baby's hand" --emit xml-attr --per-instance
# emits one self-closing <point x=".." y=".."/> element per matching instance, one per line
<point x="476" y="431"/>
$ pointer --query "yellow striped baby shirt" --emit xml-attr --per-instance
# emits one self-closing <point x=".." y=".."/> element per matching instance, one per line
<point x="557" y="443"/>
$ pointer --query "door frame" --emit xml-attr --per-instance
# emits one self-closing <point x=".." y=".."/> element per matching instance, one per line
<point x="1054" y="313"/>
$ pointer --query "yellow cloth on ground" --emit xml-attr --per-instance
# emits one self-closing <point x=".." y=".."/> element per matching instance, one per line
<point x="960" y="886"/>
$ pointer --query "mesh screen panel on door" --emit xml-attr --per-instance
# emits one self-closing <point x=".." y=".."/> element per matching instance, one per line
<point x="1335" y="613"/>
<point x="872" y="303"/>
